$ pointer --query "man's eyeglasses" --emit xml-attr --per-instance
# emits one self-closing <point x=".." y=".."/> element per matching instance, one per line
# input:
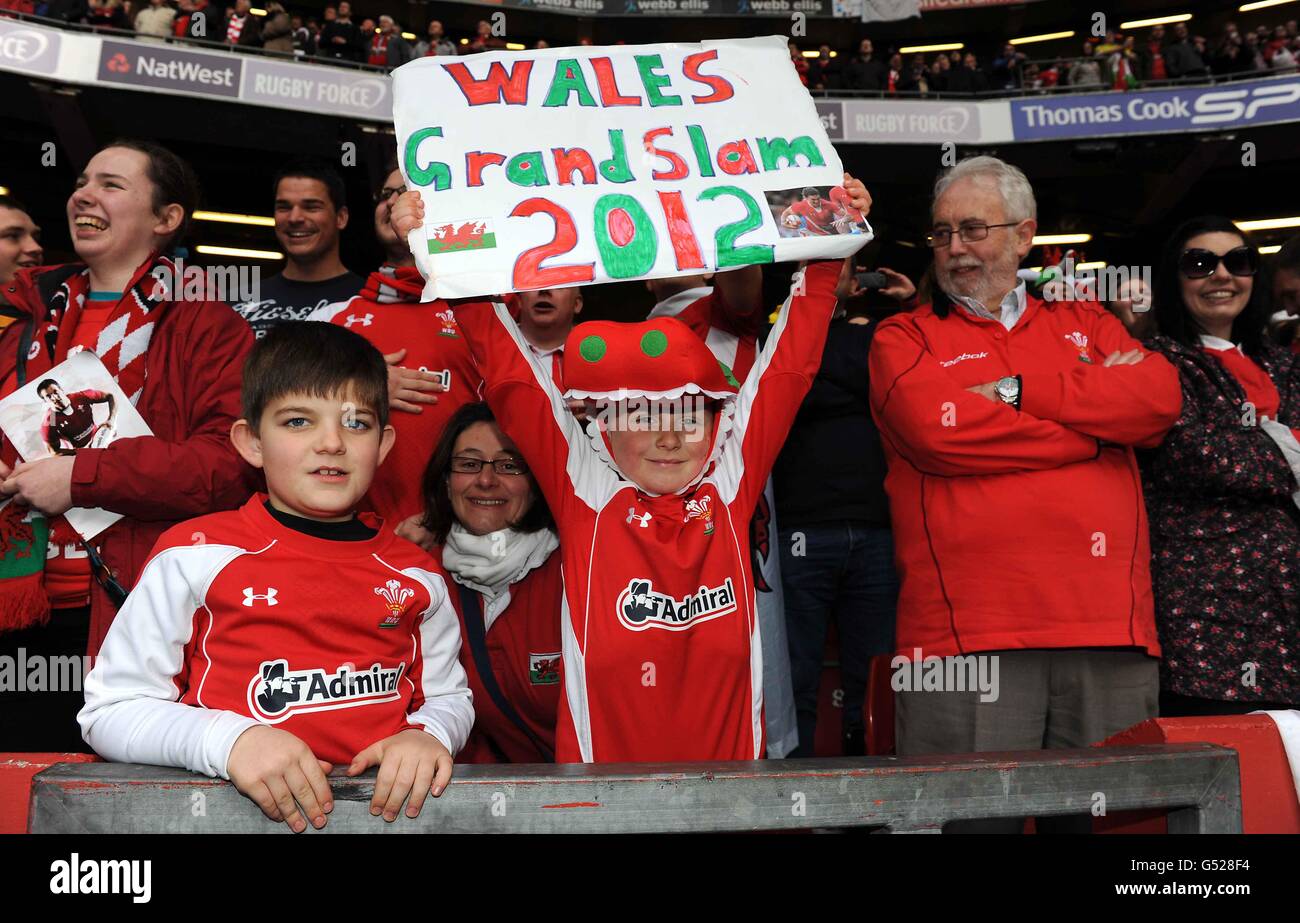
<point x="383" y="195"/>
<point x="1201" y="264"/>
<point x="463" y="464"/>
<point x="942" y="237"/>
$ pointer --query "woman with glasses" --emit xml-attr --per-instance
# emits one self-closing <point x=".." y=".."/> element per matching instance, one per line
<point x="486" y="521"/>
<point x="1221" y="490"/>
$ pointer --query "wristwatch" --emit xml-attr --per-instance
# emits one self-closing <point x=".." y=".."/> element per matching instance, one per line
<point x="1008" y="390"/>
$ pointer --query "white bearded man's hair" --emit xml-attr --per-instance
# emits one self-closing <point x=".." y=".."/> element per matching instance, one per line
<point x="1017" y="195"/>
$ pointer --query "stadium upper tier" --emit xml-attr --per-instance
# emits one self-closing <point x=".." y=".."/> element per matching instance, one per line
<point x="78" y="56"/>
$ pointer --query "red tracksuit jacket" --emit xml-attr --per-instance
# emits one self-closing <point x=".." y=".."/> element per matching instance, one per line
<point x="1019" y="529"/>
<point x="234" y="628"/>
<point x="188" y="467"/>
<point x="661" y="649"/>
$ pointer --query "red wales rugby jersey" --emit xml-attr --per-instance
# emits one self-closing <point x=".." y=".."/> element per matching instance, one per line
<point x="661" y="648"/>
<point x="238" y="620"/>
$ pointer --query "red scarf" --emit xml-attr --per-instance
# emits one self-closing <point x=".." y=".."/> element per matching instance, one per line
<point x="392" y="284"/>
<point x="123" y="341"/>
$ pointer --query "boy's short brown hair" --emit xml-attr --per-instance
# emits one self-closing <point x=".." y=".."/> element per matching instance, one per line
<point x="309" y="357"/>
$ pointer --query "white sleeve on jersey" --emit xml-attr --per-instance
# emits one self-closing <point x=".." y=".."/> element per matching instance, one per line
<point x="131" y="713"/>
<point x="448" y="709"/>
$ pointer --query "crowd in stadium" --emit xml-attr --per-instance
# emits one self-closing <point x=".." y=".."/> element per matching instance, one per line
<point x="1110" y="507"/>
<point x="1117" y="60"/>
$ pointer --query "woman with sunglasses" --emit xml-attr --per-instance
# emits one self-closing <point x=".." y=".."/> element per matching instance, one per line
<point x="487" y="523"/>
<point x="1221" y="490"/>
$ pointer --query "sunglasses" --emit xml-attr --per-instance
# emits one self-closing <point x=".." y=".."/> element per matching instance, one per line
<point x="1201" y="264"/>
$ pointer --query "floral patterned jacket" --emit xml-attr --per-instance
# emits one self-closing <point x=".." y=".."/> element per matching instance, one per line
<point x="1225" y="536"/>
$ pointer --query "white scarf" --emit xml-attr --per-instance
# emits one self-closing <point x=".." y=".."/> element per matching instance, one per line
<point x="491" y="563"/>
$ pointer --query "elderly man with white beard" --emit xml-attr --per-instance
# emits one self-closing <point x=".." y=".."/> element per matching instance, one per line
<point x="1020" y="531"/>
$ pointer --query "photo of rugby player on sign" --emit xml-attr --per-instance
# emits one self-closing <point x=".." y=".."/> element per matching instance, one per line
<point x="70" y="423"/>
<point x="815" y="211"/>
<point x="75" y="406"/>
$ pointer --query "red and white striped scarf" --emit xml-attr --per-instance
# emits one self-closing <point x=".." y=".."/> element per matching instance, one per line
<point x="392" y="284"/>
<point x="124" y="339"/>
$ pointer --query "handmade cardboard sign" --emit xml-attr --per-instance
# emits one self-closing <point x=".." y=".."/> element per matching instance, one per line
<point x="567" y="166"/>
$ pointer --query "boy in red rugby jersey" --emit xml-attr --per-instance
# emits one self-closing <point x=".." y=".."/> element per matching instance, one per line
<point x="268" y="644"/>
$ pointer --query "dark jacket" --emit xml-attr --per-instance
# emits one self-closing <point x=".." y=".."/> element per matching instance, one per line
<point x="351" y="49"/>
<point x="1183" y="60"/>
<point x="865" y="74"/>
<point x="832" y="467"/>
<point x="277" y="35"/>
<point x="967" y="80"/>
<point x="191" y="397"/>
<point x="399" y="51"/>
<point x="1225" y="536"/>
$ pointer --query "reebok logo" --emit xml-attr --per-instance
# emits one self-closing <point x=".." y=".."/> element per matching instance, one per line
<point x="962" y="358"/>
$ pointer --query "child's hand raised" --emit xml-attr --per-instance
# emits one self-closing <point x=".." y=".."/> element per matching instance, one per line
<point x="280" y="773"/>
<point x="411" y="762"/>
<point x="859" y="198"/>
<point x="408" y="213"/>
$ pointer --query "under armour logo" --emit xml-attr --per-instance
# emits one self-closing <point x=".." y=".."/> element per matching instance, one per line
<point x="644" y="518"/>
<point x="269" y="596"/>
<point x="363" y="321"/>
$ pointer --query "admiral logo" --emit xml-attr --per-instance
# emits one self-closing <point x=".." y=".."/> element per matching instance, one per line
<point x="640" y="607"/>
<point x="962" y="358"/>
<point x="277" y="693"/>
<point x="172" y="69"/>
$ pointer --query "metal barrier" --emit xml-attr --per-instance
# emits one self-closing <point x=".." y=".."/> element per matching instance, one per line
<point x="1197" y="783"/>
